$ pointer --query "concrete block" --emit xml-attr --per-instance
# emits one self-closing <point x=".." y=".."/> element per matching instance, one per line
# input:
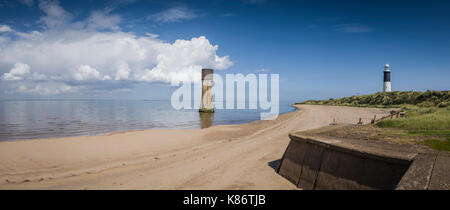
<point x="328" y="163"/>
<point x="382" y="174"/>
<point x="291" y="164"/>
<point x="340" y="171"/>
<point x="418" y="175"/>
<point x="310" y="167"/>
<point x="440" y="179"/>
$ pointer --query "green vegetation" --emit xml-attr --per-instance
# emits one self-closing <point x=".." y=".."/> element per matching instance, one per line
<point x="426" y="121"/>
<point x="391" y="99"/>
<point x="437" y="144"/>
<point x="427" y="114"/>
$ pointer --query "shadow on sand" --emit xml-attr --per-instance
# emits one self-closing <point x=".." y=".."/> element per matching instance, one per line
<point x="274" y="164"/>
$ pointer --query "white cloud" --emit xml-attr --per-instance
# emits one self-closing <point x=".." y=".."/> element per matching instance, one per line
<point x="174" y="14"/>
<point x="123" y="71"/>
<point x="87" y="55"/>
<point x="22" y="71"/>
<point x="27" y="2"/>
<point x="19" y="71"/>
<point x="183" y="61"/>
<point x="5" y="28"/>
<point x="56" y="15"/>
<point x="95" y="53"/>
<point x="85" y="72"/>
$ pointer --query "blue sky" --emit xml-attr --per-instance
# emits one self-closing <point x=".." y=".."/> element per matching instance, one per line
<point x="129" y="49"/>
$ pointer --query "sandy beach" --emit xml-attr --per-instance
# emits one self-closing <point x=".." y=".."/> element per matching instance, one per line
<point x="219" y="157"/>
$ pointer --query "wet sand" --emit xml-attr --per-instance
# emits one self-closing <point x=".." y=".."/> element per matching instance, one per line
<point x="219" y="157"/>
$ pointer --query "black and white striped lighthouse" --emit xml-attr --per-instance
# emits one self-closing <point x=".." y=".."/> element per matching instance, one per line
<point x="387" y="79"/>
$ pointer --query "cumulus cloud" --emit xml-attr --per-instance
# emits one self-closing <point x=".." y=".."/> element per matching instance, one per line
<point x="5" y="28"/>
<point x="87" y="55"/>
<point x="123" y="71"/>
<point x="174" y="14"/>
<point x="85" y="72"/>
<point x="95" y="53"/>
<point x="19" y="71"/>
<point x="183" y="61"/>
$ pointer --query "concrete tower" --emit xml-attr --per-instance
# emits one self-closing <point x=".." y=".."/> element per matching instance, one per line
<point x="387" y="79"/>
<point x="207" y="96"/>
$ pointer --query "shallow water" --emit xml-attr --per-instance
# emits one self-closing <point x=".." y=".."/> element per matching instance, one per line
<point x="33" y="119"/>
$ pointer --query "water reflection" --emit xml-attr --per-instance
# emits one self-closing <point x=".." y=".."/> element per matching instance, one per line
<point x="33" y="119"/>
<point x="206" y="119"/>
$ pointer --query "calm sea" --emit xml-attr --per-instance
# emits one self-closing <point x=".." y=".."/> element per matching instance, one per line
<point x="33" y="119"/>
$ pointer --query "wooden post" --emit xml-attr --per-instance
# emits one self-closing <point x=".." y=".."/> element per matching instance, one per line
<point x="374" y="119"/>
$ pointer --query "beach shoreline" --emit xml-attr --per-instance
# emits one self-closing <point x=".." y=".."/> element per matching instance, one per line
<point x="241" y="156"/>
<point x="66" y="123"/>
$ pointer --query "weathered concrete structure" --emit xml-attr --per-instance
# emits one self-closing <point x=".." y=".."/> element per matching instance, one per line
<point x="313" y="161"/>
<point x="207" y="95"/>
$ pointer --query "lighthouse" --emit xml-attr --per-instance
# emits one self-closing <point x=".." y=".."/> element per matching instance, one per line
<point x="387" y="79"/>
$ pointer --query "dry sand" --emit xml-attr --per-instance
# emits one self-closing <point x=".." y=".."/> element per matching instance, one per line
<point x="219" y="157"/>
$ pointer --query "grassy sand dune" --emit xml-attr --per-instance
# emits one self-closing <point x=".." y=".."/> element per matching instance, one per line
<point x="391" y="99"/>
<point x="427" y="115"/>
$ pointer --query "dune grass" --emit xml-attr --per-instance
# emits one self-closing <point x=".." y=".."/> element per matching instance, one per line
<point x="427" y="114"/>
<point x="391" y="99"/>
<point x="426" y="121"/>
<point x="438" y="144"/>
<point x="430" y="122"/>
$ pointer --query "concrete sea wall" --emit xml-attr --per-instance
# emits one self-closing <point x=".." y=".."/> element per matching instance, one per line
<point x="314" y="162"/>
